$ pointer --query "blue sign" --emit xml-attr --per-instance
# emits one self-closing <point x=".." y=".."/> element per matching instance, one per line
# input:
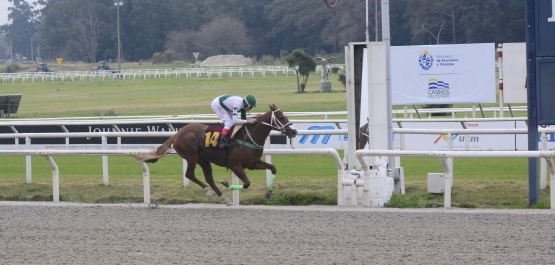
<point x="315" y="138"/>
<point x="545" y="28"/>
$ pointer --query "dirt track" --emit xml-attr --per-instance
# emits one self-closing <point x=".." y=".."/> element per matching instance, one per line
<point x="60" y="233"/>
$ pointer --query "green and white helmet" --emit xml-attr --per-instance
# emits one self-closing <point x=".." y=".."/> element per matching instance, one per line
<point x="251" y="100"/>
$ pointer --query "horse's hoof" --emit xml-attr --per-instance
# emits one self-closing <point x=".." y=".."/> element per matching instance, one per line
<point x="208" y="194"/>
<point x="268" y="194"/>
<point x="226" y="200"/>
<point x="224" y="182"/>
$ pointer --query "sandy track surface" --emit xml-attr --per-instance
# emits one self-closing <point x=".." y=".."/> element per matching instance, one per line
<point x="65" y="233"/>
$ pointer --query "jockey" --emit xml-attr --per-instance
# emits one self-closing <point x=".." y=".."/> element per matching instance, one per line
<point x="227" y="108"/>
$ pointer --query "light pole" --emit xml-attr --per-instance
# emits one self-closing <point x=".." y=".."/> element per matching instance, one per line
<point x="118" y="4"/>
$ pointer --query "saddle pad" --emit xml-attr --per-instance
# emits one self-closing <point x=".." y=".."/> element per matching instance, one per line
<point x="213" y="133"/>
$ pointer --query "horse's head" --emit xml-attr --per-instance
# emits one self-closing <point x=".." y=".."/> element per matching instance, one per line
<point x="280" y="122"/>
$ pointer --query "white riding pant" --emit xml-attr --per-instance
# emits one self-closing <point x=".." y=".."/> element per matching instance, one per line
<point x="222" y="113"/>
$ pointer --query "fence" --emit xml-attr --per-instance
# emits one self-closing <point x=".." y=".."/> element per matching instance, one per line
<point x="146" y="174"/>
<point x="206" y="72"/>
<point x="447" y="168"/>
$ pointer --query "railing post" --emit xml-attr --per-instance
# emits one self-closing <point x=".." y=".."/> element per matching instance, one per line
<point x="105" y="161"/>
<point x="185" y="179"/>
<point x="543" y="166"/>
<point x="448" y="182"/>
<point x="28" y="164"/>
<point x="235" y="181"/>
<point x="268" y="160"/>
<point x="146" y="182"/>
<point x="55" y="178"/>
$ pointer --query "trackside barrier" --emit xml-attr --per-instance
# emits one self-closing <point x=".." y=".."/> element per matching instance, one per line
<point x="104" y="135"/>
<point x="443" y="155"/>
<point x="56" y="173"/>
<point x="321" y="151"/>
<point x="146" y="173"/>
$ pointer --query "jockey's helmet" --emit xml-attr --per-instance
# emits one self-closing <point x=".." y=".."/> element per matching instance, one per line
<point x="251" y="101"/>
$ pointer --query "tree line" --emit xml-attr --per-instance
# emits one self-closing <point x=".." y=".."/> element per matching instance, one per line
<point x="86" y="30"/>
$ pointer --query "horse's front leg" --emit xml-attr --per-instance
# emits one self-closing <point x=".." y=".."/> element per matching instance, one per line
<point x="263" y="165"/>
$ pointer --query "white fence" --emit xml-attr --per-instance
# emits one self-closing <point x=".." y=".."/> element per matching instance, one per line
<point x="199" y="72"/>
<point x="443" y="155"/>
<point x="206" y="72"/>
<point x="146" y="172"/>
<point x="56" y="173"/>
<point x="146" y="175"/>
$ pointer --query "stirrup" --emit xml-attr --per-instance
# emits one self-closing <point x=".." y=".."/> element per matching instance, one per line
<point x="223" y="144"/>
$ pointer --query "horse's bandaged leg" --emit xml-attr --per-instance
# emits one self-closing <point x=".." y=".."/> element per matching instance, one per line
<point x="208" y="193"/>
<point x="235" y="187"/>
<point x="226" y="200"/>
<point x="271" y="183"/>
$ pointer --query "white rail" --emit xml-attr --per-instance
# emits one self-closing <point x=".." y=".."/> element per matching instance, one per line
<point x="56" y="173"/>
<point x="146" y="173"/>
<point x="443" y="155"/>
<point x="206" y="72"/>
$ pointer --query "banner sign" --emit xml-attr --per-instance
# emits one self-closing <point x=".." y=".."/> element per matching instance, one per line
<point x="443" y="74"/>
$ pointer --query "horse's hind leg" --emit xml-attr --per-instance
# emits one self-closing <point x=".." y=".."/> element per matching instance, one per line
<point x="207" y="169"/>
<point x="190" y="174"/>
<point x="189" y="152"/>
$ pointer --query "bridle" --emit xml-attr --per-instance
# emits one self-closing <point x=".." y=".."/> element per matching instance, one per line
<point x="278" y="125"/>
<point x="275" y="124"/>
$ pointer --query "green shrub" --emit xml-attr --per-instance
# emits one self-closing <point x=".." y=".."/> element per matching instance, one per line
<point x="12" y="68"/>
<point x="335" y="70"/>
<point x="267" y="60"/>
<point x="343" y="79"/>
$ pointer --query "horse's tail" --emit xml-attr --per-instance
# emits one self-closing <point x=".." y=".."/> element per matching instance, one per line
<point x="160" y="152"/>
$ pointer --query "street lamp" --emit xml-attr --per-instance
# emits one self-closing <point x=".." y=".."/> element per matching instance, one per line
<point x="118" y="4"/>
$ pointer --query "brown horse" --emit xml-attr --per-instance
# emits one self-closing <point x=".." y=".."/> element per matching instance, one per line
<point x="195" y="145"/>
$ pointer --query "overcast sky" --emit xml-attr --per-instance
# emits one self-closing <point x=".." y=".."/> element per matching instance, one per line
<point x="4" y="4"/>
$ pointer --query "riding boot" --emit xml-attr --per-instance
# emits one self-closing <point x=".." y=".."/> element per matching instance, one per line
<point x="223" y="141"/>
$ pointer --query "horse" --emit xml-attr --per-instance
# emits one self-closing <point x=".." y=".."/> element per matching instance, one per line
<point x="198" y="146"/>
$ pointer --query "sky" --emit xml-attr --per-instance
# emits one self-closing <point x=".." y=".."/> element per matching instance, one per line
<point x="4" y="4"/>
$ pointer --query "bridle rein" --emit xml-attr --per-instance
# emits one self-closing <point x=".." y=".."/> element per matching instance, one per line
<point x="275" y="124"/>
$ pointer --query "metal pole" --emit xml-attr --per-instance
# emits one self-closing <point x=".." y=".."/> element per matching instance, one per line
<point x="119" y="44"/>
<point x="533" y="183"/>
<point x="367" y="33"/>
<point x="118" y="4"/>
<point x="386" y="38"/>
<point x="376" y="18"/>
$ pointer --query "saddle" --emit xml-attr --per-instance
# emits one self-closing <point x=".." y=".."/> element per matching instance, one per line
<point x="213" y="133"/>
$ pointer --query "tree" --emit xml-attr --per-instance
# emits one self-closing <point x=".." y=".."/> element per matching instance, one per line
<point x="298" y="24"/>
<point x="183" y="43"/>
<point x="23" y="26"/>
<point x="426" y="20"/>
<point x="344" y="27"/>
<point x="87" y="25"/>
<point x="303" y="65"/>
<point x="224" y="35"/>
